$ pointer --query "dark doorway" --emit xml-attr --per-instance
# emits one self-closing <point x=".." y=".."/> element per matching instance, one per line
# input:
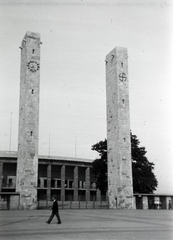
<point x="81" y="194"/>
<point x="150" y="202"/>
<point x="5" y="202"/>
<point x="92" y="195"/>
<point x="139" y="203"/>
<point x="163" y="202"/>
<point x="68" y="195"/>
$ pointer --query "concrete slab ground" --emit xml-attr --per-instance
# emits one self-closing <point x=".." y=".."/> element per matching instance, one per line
<point x="87" y="224"/>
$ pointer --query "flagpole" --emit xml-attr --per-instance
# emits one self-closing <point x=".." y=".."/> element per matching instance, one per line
<point x="49" y="144"/>
<point x="10" y="131"/>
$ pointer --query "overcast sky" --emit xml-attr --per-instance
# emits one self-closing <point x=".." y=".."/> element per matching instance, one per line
<point x="76" y="36"/>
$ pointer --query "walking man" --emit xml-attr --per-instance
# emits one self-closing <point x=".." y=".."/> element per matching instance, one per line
<point x="55" y="211"/>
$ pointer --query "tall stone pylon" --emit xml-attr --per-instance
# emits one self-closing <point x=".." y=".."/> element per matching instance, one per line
<point x="120" y="187"/>
<point x="27" y="162"/>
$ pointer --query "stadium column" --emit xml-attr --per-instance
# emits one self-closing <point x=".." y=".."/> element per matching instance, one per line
<point x="1" y="172"/>
<point x="49" y="168"/>
<point x="63" y="183"/>
<point x="76" y="183"/>
<point x="87" y="179"/>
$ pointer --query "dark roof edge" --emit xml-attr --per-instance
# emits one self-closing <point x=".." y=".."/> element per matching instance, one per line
<point x="10" y="154"/>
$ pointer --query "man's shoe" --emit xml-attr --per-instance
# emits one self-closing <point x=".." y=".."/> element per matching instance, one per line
<point x="48" y="222"/>
<point x="58" y="222"/>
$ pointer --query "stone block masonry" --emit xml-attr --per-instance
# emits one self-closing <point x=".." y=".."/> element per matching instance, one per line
<point x="27" y="162"/>
<point x="120" y="189"/>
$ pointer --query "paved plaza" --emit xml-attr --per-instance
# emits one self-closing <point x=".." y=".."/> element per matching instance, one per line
<point x="87" y="224"/>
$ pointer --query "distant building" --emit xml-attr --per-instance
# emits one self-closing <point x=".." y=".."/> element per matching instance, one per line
<point x="70" y="179"/>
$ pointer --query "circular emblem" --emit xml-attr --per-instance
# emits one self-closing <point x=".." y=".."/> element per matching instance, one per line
<point x="122" y="77"/>
<point x="33" y="66"/>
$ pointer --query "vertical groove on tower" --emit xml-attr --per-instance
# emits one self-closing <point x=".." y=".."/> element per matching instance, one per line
<point x="120" y="189"/>
<point x="27" y="162"/>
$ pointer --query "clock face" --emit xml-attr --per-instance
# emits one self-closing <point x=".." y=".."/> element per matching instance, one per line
<point x="33" y="66"/>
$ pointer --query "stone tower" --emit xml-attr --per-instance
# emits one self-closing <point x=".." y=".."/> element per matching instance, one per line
<point x="120" y="188"/>
<point x="27" y="162"/>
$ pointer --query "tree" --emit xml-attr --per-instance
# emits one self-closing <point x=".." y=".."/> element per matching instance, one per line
<point x="144" y="180"/>
<point x="100" y="166"/>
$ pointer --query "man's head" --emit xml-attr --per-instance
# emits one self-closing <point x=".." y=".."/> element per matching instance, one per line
<point x="54" y="197"/>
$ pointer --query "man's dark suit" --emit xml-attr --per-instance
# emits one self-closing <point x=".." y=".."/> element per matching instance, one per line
<point x="55" y="211"/>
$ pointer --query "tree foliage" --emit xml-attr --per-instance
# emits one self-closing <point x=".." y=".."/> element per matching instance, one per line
<point x="144" y="180"/>
<point x="100" y="165"/>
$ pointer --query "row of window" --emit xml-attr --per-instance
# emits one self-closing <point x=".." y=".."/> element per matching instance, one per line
<point x="56" y="183"/>
<point x="42" y="183"/>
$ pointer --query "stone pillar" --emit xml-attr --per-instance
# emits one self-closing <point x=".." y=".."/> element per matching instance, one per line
<point x="87" y="180"/>
<point x="107" y="199"/>
<point x="134" y="202"/>
<point x="56" y="184"/>
<point x="63" y="183"/>
<point x="41" y="183"/>
<point x="49" y="167"/>
<point x="76" y="183"/>
<point x="28" y="133"/>
<point x="98" y="195"/>
<point x="120" y="189"/>
<point x="1" y="174"/>
<point x="145" y="202"/>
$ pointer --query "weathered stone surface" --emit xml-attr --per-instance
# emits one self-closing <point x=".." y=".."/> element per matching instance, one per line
<point x="27" y="163"/>
<point x="120" y="189"/>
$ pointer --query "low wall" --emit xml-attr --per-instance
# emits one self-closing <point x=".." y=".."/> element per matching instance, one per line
<point x="14" y="202"/>
<point x="10" y="201"/>
<point x="74" y="204"/>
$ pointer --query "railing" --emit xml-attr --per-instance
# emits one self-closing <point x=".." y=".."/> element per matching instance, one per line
<point x="69" y="184"/>
<point x="43" y="204"/>
<point x="9" y="185"/>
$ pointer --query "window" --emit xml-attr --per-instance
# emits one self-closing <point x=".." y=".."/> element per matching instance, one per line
<point x="45" y="183"/>
<point x="58" y="183"/>
<point x="52" y="183"/>
<point x="10" y="182"/>
<point x="39" y="182"/>
<point x="70" y="183"/>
